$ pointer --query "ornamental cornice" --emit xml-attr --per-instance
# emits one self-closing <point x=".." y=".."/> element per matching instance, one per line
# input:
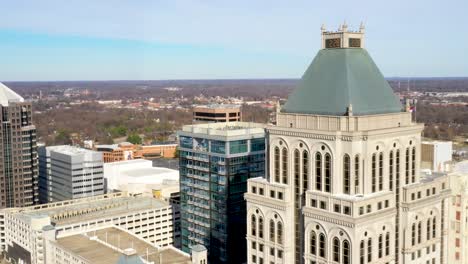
<point x="302" y="134"/>
<point x="263" y="201"/>
<point x="328" y="219"/>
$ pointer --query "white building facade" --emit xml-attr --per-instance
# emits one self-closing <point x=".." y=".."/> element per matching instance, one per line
<point x="68" y="172"/>
<point x="343" y="183"/>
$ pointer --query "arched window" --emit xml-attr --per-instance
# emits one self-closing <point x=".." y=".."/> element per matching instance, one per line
<point x="397" y="168"/>
<point x="313" y="243"/>
<point x="277" y="164"/>
<point x="322" y="245"/>
<point x="285" y="166"/>
<point x="356" y="173"/>
<point x="253" y="225"/>
<point x="327" y="172"/>
<point x="381" y="171"/>
<point x="380" y="246"/>
<point x="297" y="180"/>
<point x="336" y="249"/>
<point x="374" y="173"/>
<point x="346" y="253"/>
<point x="369" y="250"/>
<point x="260" y="227"/>
<point x="413" y="234"/>
<point x="390" y="170"/>
<point x="387" y="244"/>
<point x="305" y="170"/>
<point x="434" y="226"/>
<point x="346" y="174"/>
<point x="419" y="232"/>
<point x="318" y="171"/>
<point x="413" y="165"/>
<point x="407" y="167"/>
<point x="279" y="233"/>
<point x="272" y="230"/>
<point x="428" y="229"/>
<point x="362" y="252"/>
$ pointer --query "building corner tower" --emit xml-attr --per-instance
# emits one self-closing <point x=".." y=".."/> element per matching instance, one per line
<point x="343" y="183"/>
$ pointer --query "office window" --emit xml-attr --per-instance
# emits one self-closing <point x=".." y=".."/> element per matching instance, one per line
<point x="318" y="171"/>
<point x="313" y="243"/>
<point x="305" y="170"/>
<point x="336" y="249"/>
<point x="277" y="164"/>
<point x="285" y="166"/>
<point x="374" y="173"/>
<point x="327" y="172"/>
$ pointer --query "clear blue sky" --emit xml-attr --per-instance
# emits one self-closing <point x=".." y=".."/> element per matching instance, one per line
<point x="208" y="39"/>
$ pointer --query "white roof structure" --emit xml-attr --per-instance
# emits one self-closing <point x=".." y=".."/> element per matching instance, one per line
<point x="140" y="177"/>
<point x="7" y="95"/>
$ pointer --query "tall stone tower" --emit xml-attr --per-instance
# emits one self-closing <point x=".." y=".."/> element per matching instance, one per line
<point x="18" y="158"/>
<point x="343" y="183"/>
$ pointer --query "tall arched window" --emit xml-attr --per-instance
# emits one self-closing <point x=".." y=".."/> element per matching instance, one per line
<point x="428" y="229"/>
<point x="387" y="244"/>
<point x="407" y="165"/>
<point x="318" y="171"/>
<point x="413" y="165"/>
<point x="272" y="230"/>
<point x="260" y="227"/>
<point x="434" y="226"/>
<point x="277" y="164"/>
<point x="413" y="234"/>
<point x="380" y="246"/>
<point x="253" y="225"/>
<point x="322" y="245"/>
<point x="327" y="172"/>
<point x="369" y="250"/>
<point x="336" y="249"/>
<point x="285" y="166"/>
<point x="390" y="170"/>
<point x="305" y="170"/>
<point x="381" y="171"/>
<point x="356" y="174"/>
<point x="313" y="243"/>
<point x="362" y="252"/>
<point x="279" y="233"/>
<point x="397" y="167"/>
<point x="346" y="174"/>
<point x="346" y="253"/>
<point x="419" y="232"/>
<point x="374" y="173"/>
<point x="297" y="180"/>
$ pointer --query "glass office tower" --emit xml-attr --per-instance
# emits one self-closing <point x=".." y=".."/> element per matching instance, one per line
<point x="215" y="162"/>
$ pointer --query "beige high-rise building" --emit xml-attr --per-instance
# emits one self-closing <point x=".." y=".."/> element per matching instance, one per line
<point x="18" y="157"/>
<point x="344" y="183"/>
<point x="216" y="113"/>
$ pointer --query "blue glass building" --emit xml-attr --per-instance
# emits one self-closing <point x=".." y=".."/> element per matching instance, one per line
<point x="215" y="162"/>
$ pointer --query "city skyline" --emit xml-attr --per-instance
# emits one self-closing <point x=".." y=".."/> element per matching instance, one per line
<point x="198" y="40"/>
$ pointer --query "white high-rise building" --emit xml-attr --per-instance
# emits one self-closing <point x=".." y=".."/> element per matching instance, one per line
<point x="68" y="172"/>
<point x="344" y="183"/>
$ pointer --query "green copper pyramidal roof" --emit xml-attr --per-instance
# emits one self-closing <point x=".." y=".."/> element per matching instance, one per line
<point x="338" y="78"/>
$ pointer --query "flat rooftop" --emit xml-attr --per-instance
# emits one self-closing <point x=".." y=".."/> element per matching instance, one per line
<point x="216" y="106"/>
<point x="106" y="246"/>
<point x="224" y="129"/>
<point x="106" y="207"/>
<point x="70" y="150"/>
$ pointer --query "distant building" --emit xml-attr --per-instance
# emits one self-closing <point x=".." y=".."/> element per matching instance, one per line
<point x="140" y="178"/>
<point x="215" y="162"/>
<point x="436" y="155"/>
<point x="112" y="228"/>
<point x="18" y="161"/>
<point x="68" y="172"/>
<point x="216" y="113"/>
<point x="458" y="215"/>
<point x="128" y="151"/>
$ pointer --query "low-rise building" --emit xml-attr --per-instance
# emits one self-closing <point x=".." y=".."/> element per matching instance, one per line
<point x="68" y="172"/>
<point x="128" y="151"/>
<point x="90" y="230"/>
<point x="436" y="155"/>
